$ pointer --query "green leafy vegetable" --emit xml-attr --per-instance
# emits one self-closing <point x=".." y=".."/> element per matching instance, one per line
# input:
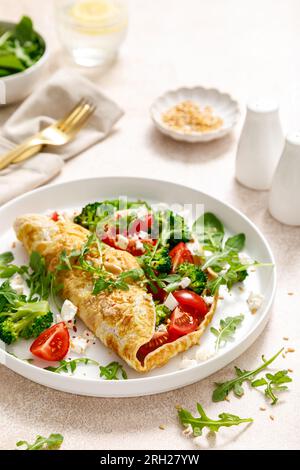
<point x="20" y="47"/>
<point x="19" y="318"/>
<point x="236" y="243"/>
<point x="198" y="424"/>
<point x="274" y="383"/>
<point x="71" y="366"/>
<point x="195" y="274"/>
<point x="227" y="330"/>
<point x="223" y="389"/>
<point x="53" y="442"/>
<point x="162" y="313"/>
<point x="7" y="270"/>
<point x="113" y="371"/>
<point x="97" y="212"/>
<point x="209" y="230"/>
<point x="170" y="228"/>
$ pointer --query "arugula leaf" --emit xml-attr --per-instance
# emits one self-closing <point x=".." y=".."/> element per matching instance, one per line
<point x="227" y="330"/>
<point x="6" y="257"/>
<point x="236" y="242"/>
<point x="53" y="442"/>
<point x="210" y="231"/>
<point x="71" y="366"/>
<point x="7" y="270"/>
<point x="198" y="424"/>
<point x="274" y="383"/>
<point x="40" y="281"/>
<point x="112" y="371"/>
<point x="223" y="389"/>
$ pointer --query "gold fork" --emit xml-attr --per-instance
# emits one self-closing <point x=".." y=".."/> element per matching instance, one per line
<point x="59" y="133"/>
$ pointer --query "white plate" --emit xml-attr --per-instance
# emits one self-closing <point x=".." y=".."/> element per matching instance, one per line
<point x="76" y="194"/>
<point x="222" y="103"/>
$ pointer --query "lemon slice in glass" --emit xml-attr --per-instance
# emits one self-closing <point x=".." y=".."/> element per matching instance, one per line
<point x="97" y="16"/>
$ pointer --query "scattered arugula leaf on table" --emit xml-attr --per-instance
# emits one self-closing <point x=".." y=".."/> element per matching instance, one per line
<point x="226" y="330"/>
<point x="198" y="424"/>
<point x="53" y="442"/>
<point x="274" y="383"/>
<point x="223" y="389"/>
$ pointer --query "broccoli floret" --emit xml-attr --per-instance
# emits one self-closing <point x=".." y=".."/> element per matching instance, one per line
<point x="171" y="228"/>
<point x="162" y="313"/>
<point x="161" y="261"/>
<point x="96" y="212"/>
<point x="195" y="274"/>
<point x="24" y="320"/>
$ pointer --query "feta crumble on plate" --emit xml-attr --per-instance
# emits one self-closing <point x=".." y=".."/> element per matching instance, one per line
<point x="254" y="301"/>
<point x="68" y="311"/>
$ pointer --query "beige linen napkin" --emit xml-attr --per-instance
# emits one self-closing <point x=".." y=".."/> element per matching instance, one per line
<point x="50" y="102"/>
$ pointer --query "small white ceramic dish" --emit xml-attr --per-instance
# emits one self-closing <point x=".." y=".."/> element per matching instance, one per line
<point x="222" y="103"/>
<point x="86" y="380"/>
<point x="19" y="85"/>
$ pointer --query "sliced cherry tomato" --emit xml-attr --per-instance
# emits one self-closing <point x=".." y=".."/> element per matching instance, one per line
<point x="55" y="216"/>
<point x="53" y="344"/>
<point x="188" y="315"/>
<point x="159" y="338"/>
<point x="191" y="302"/>
<point x="180" y="254"/>
<point x="158" y="294"/>
<point x="141" y="225"/>
<point x="182" y="323"/>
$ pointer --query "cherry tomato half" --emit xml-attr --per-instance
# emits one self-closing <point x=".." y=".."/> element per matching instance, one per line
<point x="53" y="344"/>
<point x="191" y="302"/>
<point x="180" y="254"/>
<point x="159" y="338"/>
<point x="182" y="323"/>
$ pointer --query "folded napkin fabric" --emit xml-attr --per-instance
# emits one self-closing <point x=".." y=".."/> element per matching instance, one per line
<point x="50" y="102"/>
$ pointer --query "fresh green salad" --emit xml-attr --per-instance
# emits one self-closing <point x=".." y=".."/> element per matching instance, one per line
<point x="20" y="47"/>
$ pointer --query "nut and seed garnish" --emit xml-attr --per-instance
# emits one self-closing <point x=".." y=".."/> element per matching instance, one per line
<point x="272" y="417"/>
<point x="286" y="338"/>
<point x="290" y="293"/>
<point x="162" y="427"/>
<point x="262" y="408"/>
<point x="289" y="350"/>
<point x="187" y="117"/>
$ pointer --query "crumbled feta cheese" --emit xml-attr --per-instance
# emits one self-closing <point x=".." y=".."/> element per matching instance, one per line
<point x="208" y="299"/>
<point x="122" y="242"/>
<point x="18" y="283"/>
<point x="78" y="344"/>
<point x="185" y="281"/>
<point x="139" y="245"/>
<point x="162" y="327"/>
<point x="186" y="363"/>
<point x="254" y="301"/>
<point x="195" y="248"/>
<point x="68" y="311"/>
<point x="143" y="235"/>
<point x="188" y="431"/>
<point x="203" y="355"/>
<point x="170" y="302"/>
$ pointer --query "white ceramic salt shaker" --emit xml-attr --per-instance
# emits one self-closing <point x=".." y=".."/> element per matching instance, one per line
<point x="260" y="145"/>
<point x="284" y="199"/>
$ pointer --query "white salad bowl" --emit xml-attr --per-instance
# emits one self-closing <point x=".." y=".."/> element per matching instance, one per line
<point x="222" y="104"/>
<point x="19" y="85"/>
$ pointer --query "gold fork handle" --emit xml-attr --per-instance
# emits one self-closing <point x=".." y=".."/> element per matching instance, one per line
<point x="19" y="153"/>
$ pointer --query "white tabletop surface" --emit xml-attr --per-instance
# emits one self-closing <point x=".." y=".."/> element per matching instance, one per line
<point x="248" y="49"/>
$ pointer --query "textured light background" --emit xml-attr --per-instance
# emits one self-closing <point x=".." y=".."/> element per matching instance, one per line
<point x="246" y="48"/>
